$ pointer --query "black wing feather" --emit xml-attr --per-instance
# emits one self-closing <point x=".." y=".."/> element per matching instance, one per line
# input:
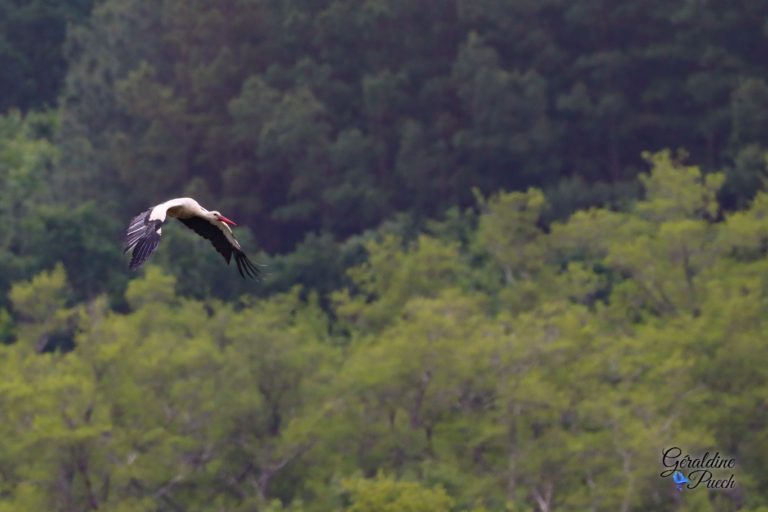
<point x="223" y="246"/>
<point x="207" y="230"/>
<point x="142" y="238"/>
<point x="244" y="265"/>
<point x="144" y="249"/>
<point x="136" y="229"/>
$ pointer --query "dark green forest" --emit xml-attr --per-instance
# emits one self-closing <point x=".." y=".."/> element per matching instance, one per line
<point x="513" y="250"/>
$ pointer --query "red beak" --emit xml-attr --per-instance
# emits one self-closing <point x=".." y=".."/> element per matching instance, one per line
<point x="227" y="221"/>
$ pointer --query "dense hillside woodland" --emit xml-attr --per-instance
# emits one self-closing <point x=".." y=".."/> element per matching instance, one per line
<point x="311" y="122"/>
<point x="32" y="63"/>
<point x="489" y="285"/>
<point x="493" y="367"/>
<point x="298" y="116"/>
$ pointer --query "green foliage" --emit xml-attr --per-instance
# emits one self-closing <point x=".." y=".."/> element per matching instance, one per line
<point x="41" y="297"/>
<point x="40" y="231"/>
<point x="155" y="288"/>
<point x="674" y="191"/>
<point x="32" y="35"/>
<point x="390" y="277"/>
<point x="387" y="495"/>
<point x="534" y="350"/>
<point x="509" y="230"/>
<point x="301" y="117"/>
<point x="40" y="304"/>
<point x="6" y="326"/>
<point x="426" y="382"/>
<point x="27" y="159"/>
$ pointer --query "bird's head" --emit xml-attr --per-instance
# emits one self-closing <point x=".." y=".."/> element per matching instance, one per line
<point x="219" y="217"/>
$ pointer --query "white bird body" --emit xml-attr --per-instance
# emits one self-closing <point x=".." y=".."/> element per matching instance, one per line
<point x="180" y="208"/>
<point x="144" y="231"/>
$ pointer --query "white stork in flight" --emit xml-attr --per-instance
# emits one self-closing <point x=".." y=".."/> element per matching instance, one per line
<point x="143" y="235"/>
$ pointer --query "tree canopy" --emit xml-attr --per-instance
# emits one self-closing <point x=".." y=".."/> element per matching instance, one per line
<point x="457" y="371"/>
<point x="332" y="116"/>
<point x="514" y="250"/>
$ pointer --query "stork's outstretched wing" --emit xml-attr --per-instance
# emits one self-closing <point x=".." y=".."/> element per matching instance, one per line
<point x="144" y="230"/>
<point x="225" y="245"/>
<point x="142" y="237"/>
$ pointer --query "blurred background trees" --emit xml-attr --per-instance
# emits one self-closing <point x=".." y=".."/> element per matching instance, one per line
<point x="333" y="117"/>
<point x="489" y="286"/>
